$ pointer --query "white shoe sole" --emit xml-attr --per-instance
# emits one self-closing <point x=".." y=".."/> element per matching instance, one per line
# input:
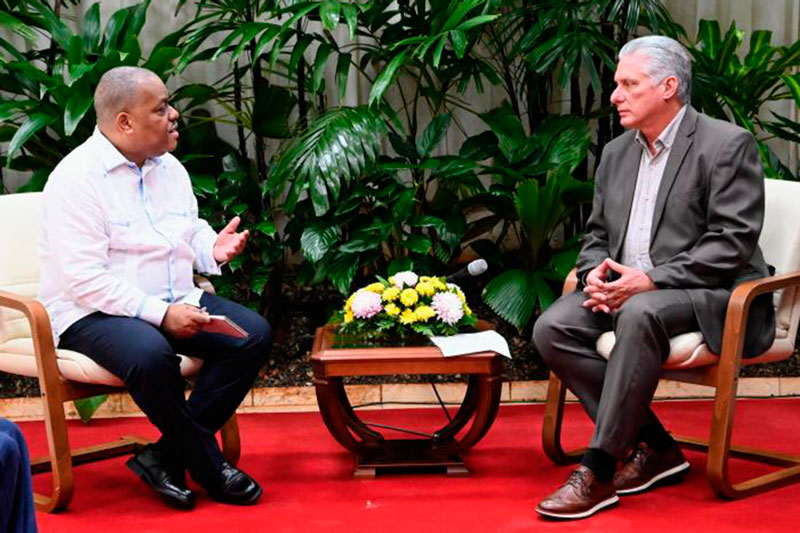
<point x="655" y="479"/>
<point x="572" y="516"/>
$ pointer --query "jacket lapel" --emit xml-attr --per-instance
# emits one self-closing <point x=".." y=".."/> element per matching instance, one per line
<point x="629" y="170"/>
<point x="683" y="140"/>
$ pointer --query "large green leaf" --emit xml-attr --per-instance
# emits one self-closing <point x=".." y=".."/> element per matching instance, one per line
<point x="336" y="147"/>
<point x="386" y="78"/>
<point x="433" y="134"/>
<point x="317" y="239"/>
<point x="512" y="295"/>
<point x="80" y="100"/>
<point x="31" y="125"/>
<point x="91" y="28"/>
<point x="17" y="26"/>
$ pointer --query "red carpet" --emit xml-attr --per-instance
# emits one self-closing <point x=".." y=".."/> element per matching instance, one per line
<point x="307" y="477"/>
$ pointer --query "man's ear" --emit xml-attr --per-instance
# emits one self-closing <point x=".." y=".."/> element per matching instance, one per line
<point x="670" y="87"/>
<point x="123" y="122"/>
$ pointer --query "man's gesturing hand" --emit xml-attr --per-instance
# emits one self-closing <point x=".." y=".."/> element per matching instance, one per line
<point x="610" y="296"/>
<point x="182" y="321"/>
<point x="229" y="243"/>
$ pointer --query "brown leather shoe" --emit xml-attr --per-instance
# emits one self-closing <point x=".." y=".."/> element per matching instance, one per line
<point x="581" y="496"/>
<point x="644" y="467"/>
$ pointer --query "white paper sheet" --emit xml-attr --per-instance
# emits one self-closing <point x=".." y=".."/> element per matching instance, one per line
<point x="466" y="343"/>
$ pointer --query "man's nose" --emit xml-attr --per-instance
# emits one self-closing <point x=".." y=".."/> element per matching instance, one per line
<point x="173" y="114"/>
<point x="616" y="97"/>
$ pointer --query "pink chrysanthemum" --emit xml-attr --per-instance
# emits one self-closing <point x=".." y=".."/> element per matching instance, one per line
<point x="448" y="307"/>
<point x="366" y="304"/>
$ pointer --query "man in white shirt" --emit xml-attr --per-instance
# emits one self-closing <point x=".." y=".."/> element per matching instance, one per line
<point x="119" y="242"/>
<point x="677" y="212"/>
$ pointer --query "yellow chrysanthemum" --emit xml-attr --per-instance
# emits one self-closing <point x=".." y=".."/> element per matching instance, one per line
<point x="409" y="297"/>
<point x="349" y="303"/>
<point x="461" y="297"/>
<point x="391" y="280"/>
<point x="425" y="288"/>
<point x="392" y="309"/>
<point x="376" y="287"/>
<point x="438" y="284"/>
<point x="408" y="317"/>
<point x="424" y="312"/>
<point x="391" y="294"/>
<point x="467" y="310"/>
<point x="425" y="279"/>
<point x="348" y="317"/>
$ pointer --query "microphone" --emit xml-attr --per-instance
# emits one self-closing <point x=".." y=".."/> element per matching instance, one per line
<point x="473" y="269"/>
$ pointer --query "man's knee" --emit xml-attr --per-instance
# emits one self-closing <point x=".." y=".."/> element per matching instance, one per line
<point x="640" y="310"/>
<point x="156" y="360"/>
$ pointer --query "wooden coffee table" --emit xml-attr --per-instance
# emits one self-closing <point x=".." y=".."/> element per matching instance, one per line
<point x="443" y="448"/>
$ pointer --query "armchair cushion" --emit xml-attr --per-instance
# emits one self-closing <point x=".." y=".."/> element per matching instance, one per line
<point x="17" y="357"/>
<point x="689" y="351"/>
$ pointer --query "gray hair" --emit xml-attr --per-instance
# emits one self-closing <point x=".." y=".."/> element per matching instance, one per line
<point x="665" y="57"/>
<point x="117" y="90"/>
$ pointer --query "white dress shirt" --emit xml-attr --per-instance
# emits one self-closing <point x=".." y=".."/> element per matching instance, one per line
<point x="119" y="239"/>
<point x="636" y="247"/>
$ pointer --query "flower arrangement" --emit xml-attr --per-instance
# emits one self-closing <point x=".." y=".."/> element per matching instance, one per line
<point x="404" y="306"/>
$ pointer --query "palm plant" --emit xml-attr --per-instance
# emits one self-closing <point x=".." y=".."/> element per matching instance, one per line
<point x="734" y="89"/>
<point x="46" y="102"/>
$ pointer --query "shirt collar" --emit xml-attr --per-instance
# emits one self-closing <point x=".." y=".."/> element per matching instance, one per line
<point x="668" y="134"/>
<point x="113" y="158"/>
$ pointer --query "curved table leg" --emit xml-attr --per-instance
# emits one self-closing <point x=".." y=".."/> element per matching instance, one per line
<point x="339" y="419"/>
<point x="468" y="406"/>
<point x="488" y="393"/>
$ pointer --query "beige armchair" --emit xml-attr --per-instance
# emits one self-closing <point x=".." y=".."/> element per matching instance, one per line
<point x="27" y="349"/>
<point x="691" y="361"/>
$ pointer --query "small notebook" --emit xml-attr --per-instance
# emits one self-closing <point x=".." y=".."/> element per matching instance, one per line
<point x="226" y="326"/>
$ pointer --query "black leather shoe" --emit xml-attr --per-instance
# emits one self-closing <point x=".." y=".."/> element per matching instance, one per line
<point x="233" y="486"/>
<point x="165" y="477"/>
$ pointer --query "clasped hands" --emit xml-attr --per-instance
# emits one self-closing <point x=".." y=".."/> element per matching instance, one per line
<point x="607" y="297"/>
<point x="182" y="320"/>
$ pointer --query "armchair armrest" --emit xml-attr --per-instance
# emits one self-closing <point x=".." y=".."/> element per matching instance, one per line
<point x="571" y="282"/>
<point x="738" y="311"/>
<point x="203" y="283"/>
<point x="42" y="334"/>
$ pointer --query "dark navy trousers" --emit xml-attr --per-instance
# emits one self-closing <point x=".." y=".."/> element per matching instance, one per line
<point x="16" y="492"/>
<point x="144" y="357"/>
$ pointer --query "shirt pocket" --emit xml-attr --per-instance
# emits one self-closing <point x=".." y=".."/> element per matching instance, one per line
<point x="178" y="224"/>
<point x="125" y="234"/>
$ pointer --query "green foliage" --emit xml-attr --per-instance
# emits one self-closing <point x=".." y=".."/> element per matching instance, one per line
<point x="46" y="102"/>
<point x="734" y="89"/>
<point x="336" y="149"/>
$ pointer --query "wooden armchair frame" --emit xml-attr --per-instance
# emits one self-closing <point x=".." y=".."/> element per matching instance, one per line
<point x="724" y="376"/>
<point x="55" y="390"/>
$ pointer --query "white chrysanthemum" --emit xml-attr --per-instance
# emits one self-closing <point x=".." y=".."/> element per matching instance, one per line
<point x="405" y="279"/>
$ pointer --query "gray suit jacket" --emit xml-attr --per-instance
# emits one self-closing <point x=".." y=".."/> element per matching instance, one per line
<point x="707" y="220"/>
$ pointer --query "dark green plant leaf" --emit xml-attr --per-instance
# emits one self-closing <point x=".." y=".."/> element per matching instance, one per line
<point x="342" y="270"/>
<point x="400" y="265"/>
<point x="271" y="111"/>
<point x="433" y="134"/>
<point x="86" y="407"/>
<point x="80" y="100"/>
<point x="317" y="239"/>
<point x="418" y="243"/>
<point x="342" y="73"/>
<point x="323" y="52"/>
<point x="31" y="125"/>
<point x="91" y="28"/>
<point x="512" y="295"/>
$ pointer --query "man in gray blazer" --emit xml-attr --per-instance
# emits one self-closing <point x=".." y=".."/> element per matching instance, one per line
<point x="678" y="209"/>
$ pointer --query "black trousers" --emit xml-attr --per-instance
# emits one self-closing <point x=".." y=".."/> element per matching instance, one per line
<point x="617" y="392"/>
<point x="144" y="357"/>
